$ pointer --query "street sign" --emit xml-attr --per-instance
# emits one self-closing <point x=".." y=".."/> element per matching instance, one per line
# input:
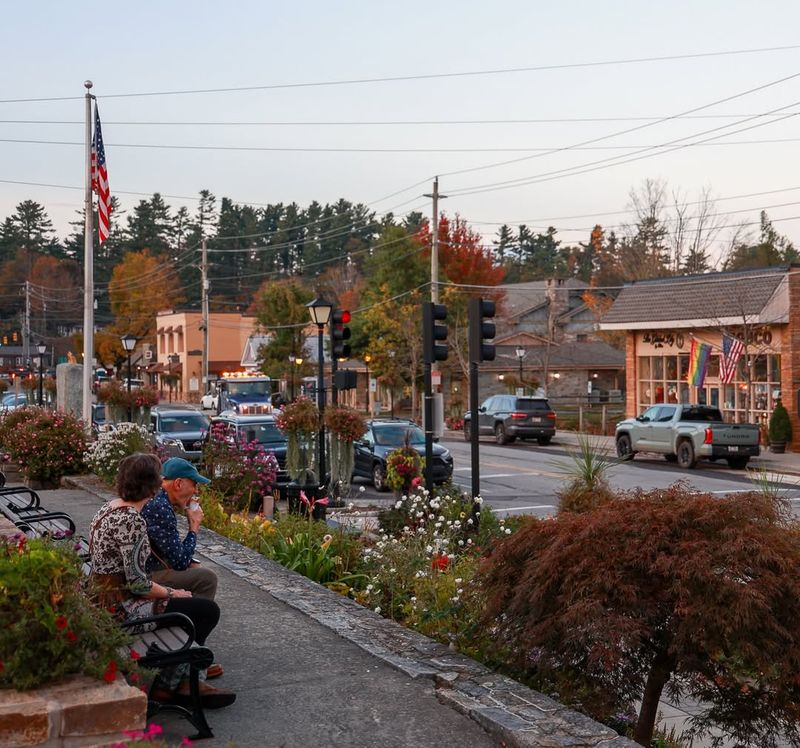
<point x="436" y="378"/>
<point x="148" y="354"/>
<point x="373" y="384"/>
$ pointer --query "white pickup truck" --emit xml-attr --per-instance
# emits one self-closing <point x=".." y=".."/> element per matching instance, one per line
<point x="686" y="434"/>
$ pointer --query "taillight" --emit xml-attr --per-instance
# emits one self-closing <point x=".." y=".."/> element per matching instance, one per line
<point x="550" y="414"/>
<point x="519" y="415"/>
<point x="709" y="436"/>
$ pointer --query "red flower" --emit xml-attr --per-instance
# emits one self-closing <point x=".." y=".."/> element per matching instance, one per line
<point x="135" y="655"/>
<point x="110" y="674"/>
<point x="70" y="636"/>
<point x="61" y="623"/>
<point x="440" y="562"/>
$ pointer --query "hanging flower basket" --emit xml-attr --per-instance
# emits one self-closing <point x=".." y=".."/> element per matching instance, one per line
<point x="345" y="426"/>
<point x="300" y="422"/>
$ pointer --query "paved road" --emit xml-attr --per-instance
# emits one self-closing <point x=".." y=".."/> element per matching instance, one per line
<point x="524" y="478"/>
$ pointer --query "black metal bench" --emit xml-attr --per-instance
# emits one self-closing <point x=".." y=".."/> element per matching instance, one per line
<point x="161" y="641"/>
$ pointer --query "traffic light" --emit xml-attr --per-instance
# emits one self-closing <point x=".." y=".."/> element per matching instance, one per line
<point x="14" y="337"/>
<point x="340" y="333"/>
<point x="431" y="332"/>
<point x="481" y="332"/>
<point x="5" y="339"/>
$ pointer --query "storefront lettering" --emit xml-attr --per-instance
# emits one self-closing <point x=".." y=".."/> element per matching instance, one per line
<point x="659" y="339"/>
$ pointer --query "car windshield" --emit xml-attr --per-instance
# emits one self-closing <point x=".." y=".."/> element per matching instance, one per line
<point x="12" y="397"/>
<point x="189" y="422"/>
<point x="394" y="435"/>
<point x="249" y="388"/>
<point x="100" y="412"/>
<point x="263" y="433"/>
<point x="529" y="405"/>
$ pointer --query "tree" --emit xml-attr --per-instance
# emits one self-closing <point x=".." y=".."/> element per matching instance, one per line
<point x="280" y="309"/>
<point x="34" y="229"/>
<point x="666" y="589"/>
<point x="771" y="249"/>
<point x="140" y="286"/>
<point x="150" y="225"/>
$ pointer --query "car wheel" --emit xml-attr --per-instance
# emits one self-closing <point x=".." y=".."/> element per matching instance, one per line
<point x="379" y="477"/>
<point x="500" y="435"/>
<point x="738" y="463"/>
<point x="686" y="456"/>
<point x="544" y="440"/>
<point x="624" y="450"/>
<point x="467" y="433"/>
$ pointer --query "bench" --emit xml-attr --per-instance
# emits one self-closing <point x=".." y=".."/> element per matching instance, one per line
<point x="161" y="641"/>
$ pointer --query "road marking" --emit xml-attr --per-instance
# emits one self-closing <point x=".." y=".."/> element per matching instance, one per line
<point x="519" y="473"/>
<point x="524" y="508"/>
<point x="500" y="475"/>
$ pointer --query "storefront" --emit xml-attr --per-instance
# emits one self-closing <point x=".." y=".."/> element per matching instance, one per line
<point x="664" y="318"/>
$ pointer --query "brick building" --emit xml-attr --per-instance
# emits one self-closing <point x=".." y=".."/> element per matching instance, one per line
<point x="759" y="307"/>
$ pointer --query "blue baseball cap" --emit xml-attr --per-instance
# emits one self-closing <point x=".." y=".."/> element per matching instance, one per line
<point x="177" y="467"/>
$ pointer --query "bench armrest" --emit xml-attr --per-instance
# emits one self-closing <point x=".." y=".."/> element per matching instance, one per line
<point x="161" y="621"/>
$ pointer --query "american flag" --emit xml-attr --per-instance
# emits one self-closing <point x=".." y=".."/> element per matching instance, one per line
<point x="100" y="179"/>
<point x="732" y="349"/>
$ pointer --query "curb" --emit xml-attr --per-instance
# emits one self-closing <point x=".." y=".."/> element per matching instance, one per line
<point x="512" y="713"/>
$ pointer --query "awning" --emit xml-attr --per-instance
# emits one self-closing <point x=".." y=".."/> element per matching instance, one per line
<point x="154" y="368"/>
<point x="160" y="331"/>
<point x="178" y="328"/>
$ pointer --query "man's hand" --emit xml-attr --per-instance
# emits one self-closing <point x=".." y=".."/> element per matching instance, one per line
<point x="194" y="517"/>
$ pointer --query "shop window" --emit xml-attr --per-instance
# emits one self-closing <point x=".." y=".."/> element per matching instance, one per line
<point x="713" y="368"/>
<point x="644" y="368"/>
<point x="683" y="364"/>
<point x="658" y="367"/>
<point x="671" y="367"/>
<point x="760" y="369"/>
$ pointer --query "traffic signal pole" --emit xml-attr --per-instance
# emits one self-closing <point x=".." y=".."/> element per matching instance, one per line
<point x="473" y="429"/>
<point x="433" y="335"/>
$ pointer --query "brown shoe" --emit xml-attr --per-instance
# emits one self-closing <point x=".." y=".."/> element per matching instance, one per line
<point x="210" y="697"/>
<point x="214" y="671"/>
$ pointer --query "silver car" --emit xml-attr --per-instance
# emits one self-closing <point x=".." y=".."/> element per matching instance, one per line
<point x="180" y="431"/>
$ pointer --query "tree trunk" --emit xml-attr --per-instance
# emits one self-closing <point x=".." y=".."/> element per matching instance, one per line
<point x="656" y="680"/>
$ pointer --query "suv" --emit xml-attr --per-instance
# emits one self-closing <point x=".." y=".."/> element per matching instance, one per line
<point x="509" y="417"/>
<point x="180" y="431"/>
<point x="382" y="437"/>
<point x="260" y="428"/>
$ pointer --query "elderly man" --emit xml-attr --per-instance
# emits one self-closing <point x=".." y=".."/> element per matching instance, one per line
<point x="171" y="562"/>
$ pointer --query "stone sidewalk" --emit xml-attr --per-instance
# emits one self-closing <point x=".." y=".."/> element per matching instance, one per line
<point x="313" y="668"/>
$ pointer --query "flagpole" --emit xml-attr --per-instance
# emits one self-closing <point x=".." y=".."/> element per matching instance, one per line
<point x="88" y="270"/>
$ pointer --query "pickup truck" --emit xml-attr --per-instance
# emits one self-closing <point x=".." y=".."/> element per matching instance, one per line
<point x="686" y="434"/>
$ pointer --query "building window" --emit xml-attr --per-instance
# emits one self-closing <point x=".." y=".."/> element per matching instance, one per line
<point x="663" y="379"/>
<point x="581" y="337"/>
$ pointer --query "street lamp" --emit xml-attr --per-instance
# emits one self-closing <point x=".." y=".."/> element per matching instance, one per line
<point x="367" y="359"/>
<point x="129" y="343"/>
<point x="391" y="388"/>
<point x="41" y="348"/>
<point x="320" y="311"/>
<point x="294" y="361"/>
<point x="520" y="355"/>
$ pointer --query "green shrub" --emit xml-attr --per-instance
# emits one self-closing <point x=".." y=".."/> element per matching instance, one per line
<point x="48" y="626"/>
<point x="780" y="428"/>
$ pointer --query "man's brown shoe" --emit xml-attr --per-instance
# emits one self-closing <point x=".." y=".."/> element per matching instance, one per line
<point x="214" y="671"/>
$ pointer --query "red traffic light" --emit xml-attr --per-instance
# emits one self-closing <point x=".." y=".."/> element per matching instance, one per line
<point x="344" y="316"/>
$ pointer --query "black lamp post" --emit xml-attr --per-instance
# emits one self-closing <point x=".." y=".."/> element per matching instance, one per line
<point x="367" y="359"/>
<point x="320" y="311"/>
<point x="520" y="355"/>
<point x="391" y="389"/>
<point x="41" y="348"/>
<point x="129" y="343"/>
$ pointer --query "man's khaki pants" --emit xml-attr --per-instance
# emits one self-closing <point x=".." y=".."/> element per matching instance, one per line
<point x="201" y="582"/>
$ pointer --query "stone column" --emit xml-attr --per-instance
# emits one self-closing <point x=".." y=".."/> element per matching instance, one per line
<point x="69" y="386"/>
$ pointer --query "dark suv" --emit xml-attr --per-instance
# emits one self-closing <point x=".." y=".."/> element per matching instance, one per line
<point x="382" y="437"/>
<point x="509" y="417"/>
<point x="259" y="428"/>
<point x="179" y="431"/>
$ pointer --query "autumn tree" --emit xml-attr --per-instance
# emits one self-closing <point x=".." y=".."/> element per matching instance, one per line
<point x="280" y="308"/>
<point x="665" y="590"/>
<point x="768" y="250"/>
<point x="140" y="286"/>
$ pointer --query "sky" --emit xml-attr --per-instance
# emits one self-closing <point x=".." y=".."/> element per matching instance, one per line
<point x="584" y="70"/>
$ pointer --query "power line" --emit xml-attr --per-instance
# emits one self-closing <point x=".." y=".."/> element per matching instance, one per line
<point x="420" y="76"/>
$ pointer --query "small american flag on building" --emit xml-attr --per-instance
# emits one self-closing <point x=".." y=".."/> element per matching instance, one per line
<point x="732" y="349"/>
<point x="100" y="179"/>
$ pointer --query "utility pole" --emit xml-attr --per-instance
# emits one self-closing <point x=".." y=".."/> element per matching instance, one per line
<point x="26" y="326"/>
<point x="204" y="292"/>
<point x="437" y="410"/>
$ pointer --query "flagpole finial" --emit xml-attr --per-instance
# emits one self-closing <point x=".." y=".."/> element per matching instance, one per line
<point x="88" y="84"/>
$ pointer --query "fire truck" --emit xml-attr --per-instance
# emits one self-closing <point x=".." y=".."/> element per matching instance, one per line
<point x="245" y="392"/>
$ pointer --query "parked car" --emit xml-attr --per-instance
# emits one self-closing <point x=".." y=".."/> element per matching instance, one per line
<point x="180" y="431"/>
<point x="509" y="417"/>
<point x="13" y="400"/>
<point x="99" y="422"/>
<point x="686" y="434"/>
<point x="385" y="435"/>
<point x="210" y="400"/>
<point x="260" y="428"/>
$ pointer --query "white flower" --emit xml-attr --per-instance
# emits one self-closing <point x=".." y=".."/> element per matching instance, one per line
<point x="369" y="588"/>
<point x="413" y="599"/>
<point x="428" y="549"/>
<point x="478" y="500"/>
<point x="378" y="609"/>
<point x="460" y="591"/>
<point x="392" y="571"/>
<point x="508" y="531"/>
<point x="461" y="542"/>
<point x="458" y="580"/>
<point x="470" y="522"/>
<point x="398" y="505"/>
<point x="351" y="504"/>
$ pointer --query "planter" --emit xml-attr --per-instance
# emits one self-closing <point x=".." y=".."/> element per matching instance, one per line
<point x="312" y="491"/>
<point x="42" y="485"/>
<point x="777" y="447"/>
<point x="78" y="711"/>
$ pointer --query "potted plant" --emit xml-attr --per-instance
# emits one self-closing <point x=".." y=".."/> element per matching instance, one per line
<point x="345" y="426"/>
<point x="780" y="429"/>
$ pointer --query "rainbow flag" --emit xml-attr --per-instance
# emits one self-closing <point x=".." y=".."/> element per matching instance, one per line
<point x="699" y="354"/>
